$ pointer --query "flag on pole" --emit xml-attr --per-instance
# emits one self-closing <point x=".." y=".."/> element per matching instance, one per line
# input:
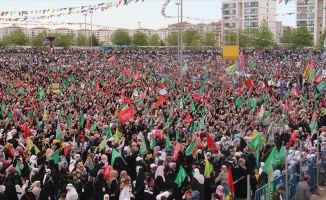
<point x="18" y="168"/>
<point x="191" y="148"/>
<point x="55" y="157"/>
<point x="182" y="174"/>
<point x="208" y="169"/>
<point x="115" y="155"/>
<point x="313" y="122"/>
<point x="143" y="148"/>
<point x="230" y="180"/>
<point x="102" y="144"/>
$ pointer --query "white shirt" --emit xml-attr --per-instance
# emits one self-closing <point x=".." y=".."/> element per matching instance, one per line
<point x="163" y="194"/>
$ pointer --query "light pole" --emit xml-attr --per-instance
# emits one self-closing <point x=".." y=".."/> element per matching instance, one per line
<point x="25" y="18"/>
<point x="85" y="14"/>
<point x="181" y="41"/>
<point x="91" y="12"/>
<point x="177" y="2"/>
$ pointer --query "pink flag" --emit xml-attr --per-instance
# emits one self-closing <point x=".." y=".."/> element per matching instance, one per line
<point x="177" y="147"/>
<point x="112" y="59"/>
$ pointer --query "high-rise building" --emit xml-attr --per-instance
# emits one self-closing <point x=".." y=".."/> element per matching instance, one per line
<point x="313" y="15"/>
<point x="249" y="14"/>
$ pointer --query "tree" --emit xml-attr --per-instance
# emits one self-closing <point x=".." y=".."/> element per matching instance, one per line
<point x="94" y="41"/>
<point x="64" y="40"/>
<point x="195" y="44"/>
<point x="247" y="37"/>
<point x="287" y="36"/>
<point x="162" y="43"/>
<point x="38" y="39"/>
<point x="189" y="36"/>
<point x="154" y="40"/>
<point x="140" y="39"/>
<point x="172" y="39"/>
<point x="16" y="37"/>
<point x="82" y="41"/>
<point x="229" y="37"/>
<point x="264" y="37"/>
<point x="209" y="39"/>
<point x="121" y="37"/>
<point x="301" y="37"/>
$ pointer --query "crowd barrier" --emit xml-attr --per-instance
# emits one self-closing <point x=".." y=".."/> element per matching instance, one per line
<point x="309" y="166"/>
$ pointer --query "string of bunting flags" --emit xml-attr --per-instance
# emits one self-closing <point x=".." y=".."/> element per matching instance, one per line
<point x="59" y="12"/>
<point x="249" y="35"/>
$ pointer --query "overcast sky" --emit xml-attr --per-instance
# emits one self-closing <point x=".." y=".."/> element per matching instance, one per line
<point x="147" y="12"/>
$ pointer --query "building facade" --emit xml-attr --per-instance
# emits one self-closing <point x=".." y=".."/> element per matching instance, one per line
<point x="249" y="14"/>
<point x="313" y="15"/>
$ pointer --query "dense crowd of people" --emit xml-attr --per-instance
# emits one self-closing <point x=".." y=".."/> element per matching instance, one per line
<point x="133" y="124"/>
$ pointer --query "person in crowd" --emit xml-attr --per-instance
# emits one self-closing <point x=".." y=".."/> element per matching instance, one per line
<point x="278" y="195"/>
<point x="303" y="189"/>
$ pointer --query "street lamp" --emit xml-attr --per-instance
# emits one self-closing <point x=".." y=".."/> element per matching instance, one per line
<point x="181" y="41"/>
<point x="85" y="14"/>
<point x="91" y="12"/>
<point x="25" y="18"/>
<point x="177" y="2"/>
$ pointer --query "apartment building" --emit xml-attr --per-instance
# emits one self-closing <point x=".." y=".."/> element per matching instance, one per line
<point x="313" y="15"/>
<point x="249" y="14"/>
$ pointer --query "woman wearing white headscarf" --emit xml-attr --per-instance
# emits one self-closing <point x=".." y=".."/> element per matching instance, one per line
<point x="36" y="189"/>
<point x="71" y="192"/>
<point x="197" y="183"/>
<point x="33" y="161"/>
<point x="159" y="181"/>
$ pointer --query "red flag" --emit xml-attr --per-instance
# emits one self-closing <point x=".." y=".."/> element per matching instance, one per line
<point x="310" y="59"/>
<point x="295" y="92"/>
<point x="249" y="83"/>
<point x="96" y="88"/>
<point x="161" y="86"/>
<point x="318" y="78"/>
<point x="88" y="124"/>
<point x="268" y="90"/>
<point x="33" y="103"/>
<point x="197" y="97"/>
<point x="26" y="130"/>
<point x="126" y="114"/>
<point x="143" y="94"/>
<point x="125" y="99"/>
<point x="187" y="117"/>
<point x="126" y="72"/>
<point x="210" y="143"/>
<point x="160" y="100"/>
<point x="177" y="147"/>
<point x="66" y="149"/>
<point x="112" y="59"/>
<point x="278" y="73"/>
<point x="292" y="138"/>
<point x="156" y="133"/>
<point x="56" y="74"/>
<point x="136" y="77"/>
<point x="262" y="86"/>
<point x="107" y="91"/>
<point x="230" y="180"/>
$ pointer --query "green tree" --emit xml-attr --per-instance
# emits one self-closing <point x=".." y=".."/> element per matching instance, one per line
<point x="264" y="36"/>
<point x="321" y="40"/>
<point x="302" y="37"/>
<point x="38" y="39"/>
<point x="209" y="39"/>
<point x="287" y="36"/>
<point x="82" y="41"/>
<point x="189" y="36"/>
<point x="121" y="37"/>
<point x="140" y="39"/>
<point x="94" y="41"/>
<point x="16" y="37"/>
<point x="172" y="39"/>
<point x="64" y="40"/>
<point x="229" y="37"/>
<point x="195" y="44"/>
<point x="154" y="40"/>
<point x="162" y="43"/>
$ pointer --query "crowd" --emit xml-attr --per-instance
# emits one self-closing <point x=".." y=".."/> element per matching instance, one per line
<point x="133" y="124"/>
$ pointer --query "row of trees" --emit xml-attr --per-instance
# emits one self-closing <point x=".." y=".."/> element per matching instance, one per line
<point x="262" y="37"/>
<point x="19" y="38"/>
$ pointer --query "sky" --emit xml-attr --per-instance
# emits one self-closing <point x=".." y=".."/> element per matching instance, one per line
<point x="148" y="13"/>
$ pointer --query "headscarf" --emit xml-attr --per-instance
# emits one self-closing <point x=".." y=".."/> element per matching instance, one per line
<point x="226" y="190"/>
<point x="160" y="172"/>
<point x="72" y="192"/>
<point x="123" y="174"/>
<point x="33" y="161"/>
<point x="113" y="176"/>
<point x="198" y="176"/>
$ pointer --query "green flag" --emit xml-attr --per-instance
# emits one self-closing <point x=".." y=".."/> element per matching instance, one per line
<point x="238" y="102"/>
<point x="21" y="91"/>
<point x="55" y="157"/>
<point x="69" y="120"/>
<point x="18" y="168"/>
<point x="93" y="127"/>
<point x="89" y="163"/>
<point x="152" y="142"/>
<point x="182" y="174"/>
<point x="42" y="95"/>
<point x="31" y="113"/>
<point x="313" y="122"/>
<point x="321" y="86"/>
<point x="108" y="132"/>
<point x="275" y="158"/>
<point x="115" y="155"/>
<point x="286" y="95"/>
<point x="10" y="116"/>
<point x="204" y="66"/>
<point x="81" y="120"/>
<point x="143" y="148"/>
<point x="193" y="107"/>
<point x="256" y="141"/>
<point x="58" y="133"/>
<point x="190" y="149"/>
<point x="257" y="155"/>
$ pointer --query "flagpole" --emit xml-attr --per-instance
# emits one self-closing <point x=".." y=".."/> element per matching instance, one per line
<point x="317" y="162"/>
<point x="286" y="174"/>
<point x="248" y="187"/>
